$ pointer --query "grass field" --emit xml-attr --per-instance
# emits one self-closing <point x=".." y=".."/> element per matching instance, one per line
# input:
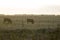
<point x="20" y="22"/>
<point x="26" y="34"/>
<point x="44" y="28"/>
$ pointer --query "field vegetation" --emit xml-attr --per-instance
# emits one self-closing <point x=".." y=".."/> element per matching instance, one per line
<point x="44" y="28"/>
<point x="26" y="34"/>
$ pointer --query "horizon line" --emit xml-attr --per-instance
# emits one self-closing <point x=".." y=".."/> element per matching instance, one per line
<point x="31" y="14"/>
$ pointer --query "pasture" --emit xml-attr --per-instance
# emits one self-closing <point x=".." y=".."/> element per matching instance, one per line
<point x="20" y="22"/>
<point x="26" y="34"/>
<point x="45" y="27"/>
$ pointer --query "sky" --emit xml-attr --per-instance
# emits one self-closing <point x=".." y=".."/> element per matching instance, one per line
<point x="36" y="7"/>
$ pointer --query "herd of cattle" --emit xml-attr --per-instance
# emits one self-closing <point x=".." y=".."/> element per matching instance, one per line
<point x="9" y="21"/>
<point x="29" y="22"/>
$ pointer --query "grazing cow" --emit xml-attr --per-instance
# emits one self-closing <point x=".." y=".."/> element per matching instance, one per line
<point x="7" y="21"/>
<point x="30" y="20"/>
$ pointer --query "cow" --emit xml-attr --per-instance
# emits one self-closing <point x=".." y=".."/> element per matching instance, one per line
<point x="7" y="21"/>
<point x="30" y="20"/>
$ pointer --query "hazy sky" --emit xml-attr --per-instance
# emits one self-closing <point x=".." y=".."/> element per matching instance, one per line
<point x="30" y="7"/>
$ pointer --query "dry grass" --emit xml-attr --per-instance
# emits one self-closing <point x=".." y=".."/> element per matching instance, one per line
<point x="19" y="30"/>
<point x="26" y="34"/>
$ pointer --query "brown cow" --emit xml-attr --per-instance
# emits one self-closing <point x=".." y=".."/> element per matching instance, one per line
<point x="7" y="21"/>
<point x="30" y="20"/>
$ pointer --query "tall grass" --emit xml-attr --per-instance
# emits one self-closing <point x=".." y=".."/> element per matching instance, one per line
<point x="26" y="34"/>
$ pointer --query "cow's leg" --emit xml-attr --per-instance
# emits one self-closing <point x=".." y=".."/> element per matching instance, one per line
<point x="32" y="22"/>
<point x="10" y="22"/>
